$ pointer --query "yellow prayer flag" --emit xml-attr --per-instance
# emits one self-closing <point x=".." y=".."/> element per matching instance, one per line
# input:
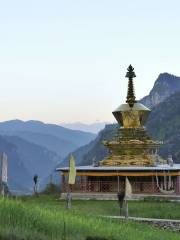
<point x="128" y="189"/>
<point x="72" y="170"/>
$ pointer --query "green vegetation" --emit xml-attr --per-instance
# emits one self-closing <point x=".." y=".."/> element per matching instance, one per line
<point x="51" y="188"/>
<point x="44" y="218"/>
<point x="148" y="208"/>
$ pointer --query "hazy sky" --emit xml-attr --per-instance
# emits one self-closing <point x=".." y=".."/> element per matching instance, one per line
<point x="65" y="61"/>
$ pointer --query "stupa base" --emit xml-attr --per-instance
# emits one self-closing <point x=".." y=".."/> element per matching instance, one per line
<point x="135" y="160"/>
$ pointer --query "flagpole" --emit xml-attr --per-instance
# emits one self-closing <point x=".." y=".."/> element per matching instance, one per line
<point x="69" y="197"/>
<point x="125" y="200"/>
<point x="2" y="190"/>
<point x="118" y="184"/>
<point x="126" y="209"/>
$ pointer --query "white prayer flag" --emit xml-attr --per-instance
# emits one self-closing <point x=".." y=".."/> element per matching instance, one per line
<point x="4" y="167"/>
<point x="128" y="189"/>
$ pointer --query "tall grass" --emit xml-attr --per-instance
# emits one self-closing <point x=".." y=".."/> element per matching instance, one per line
<point x="150" y="209"/>
<point x="21" y="220"/>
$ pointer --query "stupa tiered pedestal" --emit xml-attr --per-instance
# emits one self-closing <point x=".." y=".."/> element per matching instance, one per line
<point x="132" y="147"/>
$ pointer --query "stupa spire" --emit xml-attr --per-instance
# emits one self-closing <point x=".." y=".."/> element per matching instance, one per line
<point x="131" y="99"/>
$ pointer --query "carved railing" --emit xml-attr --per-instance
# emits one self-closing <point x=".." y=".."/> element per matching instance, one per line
<point x="111" y="186"/>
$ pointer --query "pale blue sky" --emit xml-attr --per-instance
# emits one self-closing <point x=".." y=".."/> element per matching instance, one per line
<point x="65" y="61"/>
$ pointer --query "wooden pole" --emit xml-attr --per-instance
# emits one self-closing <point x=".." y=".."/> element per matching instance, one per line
<point x="69" y="197"/>
<point x="63" y="188"/>
<point x="118" y="185"/>
<point x="126" y="209"/>
<point x="153" y="188"/>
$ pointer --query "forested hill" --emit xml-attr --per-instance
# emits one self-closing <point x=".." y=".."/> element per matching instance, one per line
<point x="164" y="124"/>
<point x="24" y="160"/>
<point x="34" y="147"/>
<point x="94" y="150"/>
<point x="54" y="137"/>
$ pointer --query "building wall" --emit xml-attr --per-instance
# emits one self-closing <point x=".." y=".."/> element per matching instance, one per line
<point x="116" y="184"/>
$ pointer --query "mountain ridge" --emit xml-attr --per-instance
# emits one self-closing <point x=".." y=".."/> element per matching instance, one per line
<point x="165" y="85"/>
<point x="48" y="128"/>
<point x="38" y="150"/>
<point x="53" y="137"/>
<point x="93" y="127"/>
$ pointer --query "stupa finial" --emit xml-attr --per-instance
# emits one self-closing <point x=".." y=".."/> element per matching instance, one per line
<point x="130" y="94"/>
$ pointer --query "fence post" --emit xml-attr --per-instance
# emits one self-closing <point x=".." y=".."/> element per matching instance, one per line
<point x="62" y="182"/>
<point x="178" y="185"/>
<point x="153" y="184"/>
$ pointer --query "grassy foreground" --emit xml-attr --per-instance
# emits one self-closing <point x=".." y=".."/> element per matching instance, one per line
<point x="46" y="218"/>
<point x="149" y="209"/>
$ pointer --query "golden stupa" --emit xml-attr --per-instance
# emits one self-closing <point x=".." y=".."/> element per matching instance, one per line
<point x="132" y="146"/>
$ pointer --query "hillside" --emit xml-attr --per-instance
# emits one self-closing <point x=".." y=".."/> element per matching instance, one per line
<point x="52" y="143"/>
<point x="36" y="159"/>
<point x="18" y="176"/>
<point x="71" y="138"/>
<point x="26" y="159"/>
<point x="94" y="150"/>
<point x="33" y="147"/>
<point x="164" y="124"/>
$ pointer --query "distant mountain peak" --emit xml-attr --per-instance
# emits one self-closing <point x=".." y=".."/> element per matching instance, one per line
<point x="166" y="78"/>
<point x="34" y="121"/>
<point x="14" y="120"/>
<point x="165" y="85"/>
<point x="19" y="121"/>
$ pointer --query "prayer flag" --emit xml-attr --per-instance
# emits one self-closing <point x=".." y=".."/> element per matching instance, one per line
<point x="72" y="170"/>
<point x="128" y="189"/>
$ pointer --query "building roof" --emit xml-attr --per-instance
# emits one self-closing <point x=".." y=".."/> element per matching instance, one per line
<point x="165" y="167"/>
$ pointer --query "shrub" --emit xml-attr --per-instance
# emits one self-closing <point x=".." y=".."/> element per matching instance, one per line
<point x="51" y="188"/>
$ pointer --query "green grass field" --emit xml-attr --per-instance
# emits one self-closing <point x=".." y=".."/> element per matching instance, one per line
<point x="150" y="209"/>
<point x="46" y="218"/>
